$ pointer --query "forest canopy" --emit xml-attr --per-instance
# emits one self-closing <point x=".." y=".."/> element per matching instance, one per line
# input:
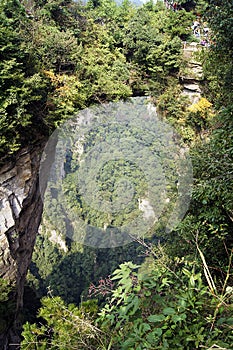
<point x="57" y="58"/>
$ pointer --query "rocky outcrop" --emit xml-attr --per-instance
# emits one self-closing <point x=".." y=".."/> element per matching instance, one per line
<point x="20" y="216"/>
<point x="192" y="75"/>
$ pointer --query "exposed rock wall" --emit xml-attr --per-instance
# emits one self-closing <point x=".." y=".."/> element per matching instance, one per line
<point x="193" y="75"/>
<point x="20" y="215"/>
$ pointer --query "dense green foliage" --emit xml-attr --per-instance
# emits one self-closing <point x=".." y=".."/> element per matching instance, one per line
<point x="59" y="57"/>
<point x="210" y="216"/>
<point x="23" y="87"/>
<point x="7" y="304"/>
<point x="163" y="305"/>
<point x="112" y="52"/>
<point x="218" y="63"/>
<point x="68" y="274"/>
<point x="72" y="327"/>
<point x="62" y="56"/>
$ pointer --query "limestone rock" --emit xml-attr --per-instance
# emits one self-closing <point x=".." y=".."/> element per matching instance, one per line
<point x="20" y="216"/>
<point x="193" y="87"/>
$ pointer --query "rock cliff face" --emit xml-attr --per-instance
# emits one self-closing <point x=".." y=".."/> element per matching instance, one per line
<point x="193" y="75"/>
<point x="20" y="215"/>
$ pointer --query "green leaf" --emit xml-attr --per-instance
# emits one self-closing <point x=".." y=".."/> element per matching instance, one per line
<point x="176" y="318"/>
<point x="158" y="332"/>
<point x="169" y="311"/>
<point x="156" y="318"/>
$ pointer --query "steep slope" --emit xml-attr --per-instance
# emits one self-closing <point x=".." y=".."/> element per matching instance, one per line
<point x="21" y="210"/>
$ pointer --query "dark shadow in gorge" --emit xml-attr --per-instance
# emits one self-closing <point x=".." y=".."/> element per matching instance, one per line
<point x="72" y="277"/>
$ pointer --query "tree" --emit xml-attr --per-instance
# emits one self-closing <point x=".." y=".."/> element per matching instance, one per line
<point x="23" y="88"/>
<point x="7" y="304"/>
<point x="162" y="304"/>
<point x="210" y="214"/>
<point x="218" y="65"/>
<point x="65" y="327"/>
